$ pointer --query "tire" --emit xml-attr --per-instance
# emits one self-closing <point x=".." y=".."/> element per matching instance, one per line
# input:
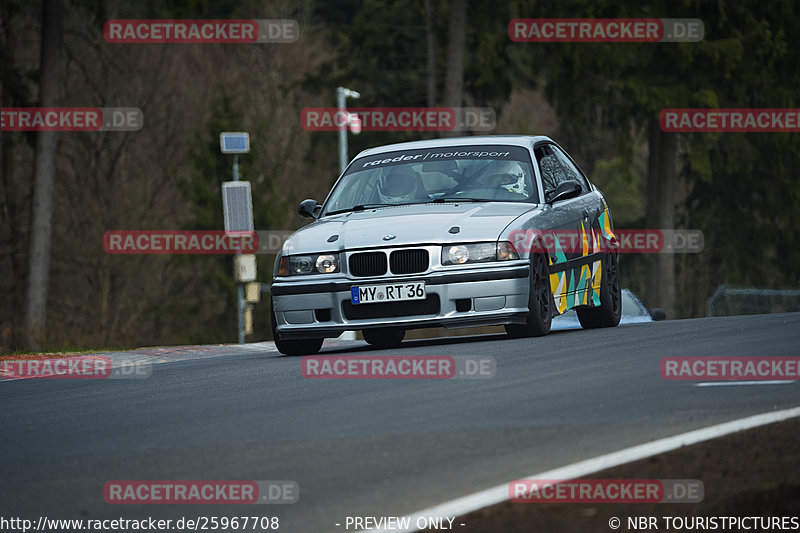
<point x="384" y="337"/>
<point x="540" y="302"/>
<point x="294" y="346"/>
<point x="610" y="310"/>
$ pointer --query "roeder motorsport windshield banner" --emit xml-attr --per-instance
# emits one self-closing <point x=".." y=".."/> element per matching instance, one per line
<point x="453" y="153"/>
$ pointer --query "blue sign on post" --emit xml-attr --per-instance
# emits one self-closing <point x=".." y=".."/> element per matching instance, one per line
<point x="234" y="142"/>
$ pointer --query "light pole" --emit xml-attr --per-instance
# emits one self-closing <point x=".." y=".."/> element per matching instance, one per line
<point x="342" y="93"/>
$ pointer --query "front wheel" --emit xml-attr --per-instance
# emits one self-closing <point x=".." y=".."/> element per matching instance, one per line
<point x="540" y="306"/>
<point x="294" y="346"/>
<point x="610" y="310"/>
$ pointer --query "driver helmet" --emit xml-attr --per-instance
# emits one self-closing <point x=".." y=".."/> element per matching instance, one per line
<point x="398" y="185"/>
<point x="510" y="176"/>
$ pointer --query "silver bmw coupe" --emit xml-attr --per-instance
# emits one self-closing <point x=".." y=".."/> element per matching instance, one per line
<point x="449" y="232"/>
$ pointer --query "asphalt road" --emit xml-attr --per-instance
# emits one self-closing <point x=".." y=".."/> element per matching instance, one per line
<point x="370" y="447"/>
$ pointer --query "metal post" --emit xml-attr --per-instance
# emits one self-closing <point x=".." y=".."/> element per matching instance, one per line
<point x="239" y="287"/>
<point x="342" y="94"/>
<point x="235" y="143"/>
<point x="240" y="301"/>
<point x="340" y="103"/>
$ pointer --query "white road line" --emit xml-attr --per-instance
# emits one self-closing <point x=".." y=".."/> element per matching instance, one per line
<point x="485" y="498"/>
<point x="730" y="383"/>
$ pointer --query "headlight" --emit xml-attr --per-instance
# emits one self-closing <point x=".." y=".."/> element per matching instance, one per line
<point x="327" y="264"/>
<point x="298" y="265"/>
<point x="456" y="255"/>
<point x="481" y="252"/>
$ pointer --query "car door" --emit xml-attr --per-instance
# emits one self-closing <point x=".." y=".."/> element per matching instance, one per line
<point x="574" y="269"/>
<point x="563" y="217"/>
<point x="585" y="264"/>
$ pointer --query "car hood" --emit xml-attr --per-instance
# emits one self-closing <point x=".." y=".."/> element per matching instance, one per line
<point x="410" y="225"/>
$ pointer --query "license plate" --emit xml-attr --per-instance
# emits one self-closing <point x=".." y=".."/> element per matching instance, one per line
<point x="396" y="292"/>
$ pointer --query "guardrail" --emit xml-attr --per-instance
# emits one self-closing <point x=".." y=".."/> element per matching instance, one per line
<point x="766" y="299"/>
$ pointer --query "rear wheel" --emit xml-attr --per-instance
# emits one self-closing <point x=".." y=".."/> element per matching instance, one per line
<point x="540" y="312"/>
<point x="610" y="310"/>
<point x="384" y="337"/>
<point x="293" y="346"/>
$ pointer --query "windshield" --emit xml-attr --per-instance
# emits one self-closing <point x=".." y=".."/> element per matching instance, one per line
<point x="462" y="173"/>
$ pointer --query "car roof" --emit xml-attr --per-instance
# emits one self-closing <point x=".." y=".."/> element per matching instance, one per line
<point x="512" y="140"/>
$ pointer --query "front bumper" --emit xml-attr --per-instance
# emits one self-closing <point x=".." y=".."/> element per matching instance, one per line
<point x="455" y="298"/>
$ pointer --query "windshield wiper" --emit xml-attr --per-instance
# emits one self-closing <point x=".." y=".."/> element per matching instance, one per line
<point x="359" y="207"/>
<point x="442" y="200"/>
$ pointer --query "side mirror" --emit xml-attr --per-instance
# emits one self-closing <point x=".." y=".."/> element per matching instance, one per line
<point x="308" y="208"/>
<point x="565" y="190"/>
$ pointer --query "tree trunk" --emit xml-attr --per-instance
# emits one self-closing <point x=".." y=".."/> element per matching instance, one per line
<point x="457" y="33"/>
<point x="44" y="177"/>
<point x="661" y="182"/>
<point x="431" y="37"/>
